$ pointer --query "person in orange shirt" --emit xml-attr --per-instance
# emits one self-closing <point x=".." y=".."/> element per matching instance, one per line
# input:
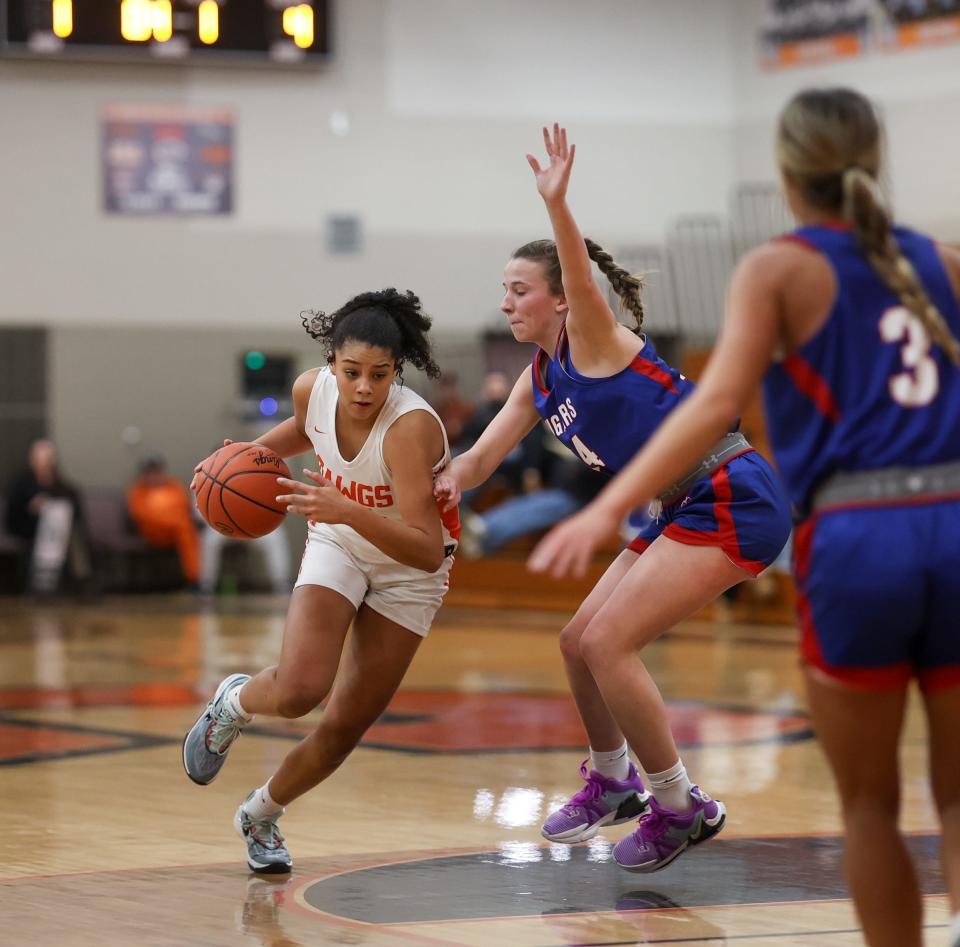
<point x="162" y="510"/>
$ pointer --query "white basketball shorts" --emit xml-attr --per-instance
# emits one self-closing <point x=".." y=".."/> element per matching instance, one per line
<point x="407" y="596"/>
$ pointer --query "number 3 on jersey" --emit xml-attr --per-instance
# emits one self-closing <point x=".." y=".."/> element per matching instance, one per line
<point x="918" y="385"/>
<point x="586" y="455"/>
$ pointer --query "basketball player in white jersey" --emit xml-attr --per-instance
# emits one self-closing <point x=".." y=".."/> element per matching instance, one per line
<point x="378" y="556"/>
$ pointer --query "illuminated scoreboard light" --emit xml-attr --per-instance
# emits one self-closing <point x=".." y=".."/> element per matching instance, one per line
<point x="265" y="31"/>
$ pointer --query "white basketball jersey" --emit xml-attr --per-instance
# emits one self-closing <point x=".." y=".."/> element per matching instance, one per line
<point x="366" y="479"/>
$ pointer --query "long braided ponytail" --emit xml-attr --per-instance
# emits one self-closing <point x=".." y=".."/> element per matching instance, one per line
<point x="625" y="284"/>
<point x="865" y="209"/>
<point x="829" y="149"/>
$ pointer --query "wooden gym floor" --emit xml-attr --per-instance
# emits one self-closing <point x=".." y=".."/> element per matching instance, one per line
<point x="429" y="834"/>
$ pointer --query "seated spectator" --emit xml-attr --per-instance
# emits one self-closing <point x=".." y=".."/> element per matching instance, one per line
<point x="493" y="396"/>
<point x="162" y="509"/>
<point x="521" y="471"/>
<point x="273" y="546"/>
<point x="569" y="484"/>
<point x="42" y="503"/>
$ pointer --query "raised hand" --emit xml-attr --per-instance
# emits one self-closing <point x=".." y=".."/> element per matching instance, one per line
<point x="552" y="180"/>
<point x="321" y="502"/>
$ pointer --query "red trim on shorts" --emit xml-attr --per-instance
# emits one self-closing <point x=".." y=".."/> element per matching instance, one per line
<point x="892" y="677"/>
<point x="711" y="537"/>
<point x="723" y="494"/>
<point x="682" y="496"/>
<point x="728" y="531"/>
<point x="643" y="366"/>
<point x="811" y="383"/>
<point x="639" y="545"/>
<point x="938" y="679"/>
<point x="692" y="537"/>
<point x="810" y="652"/>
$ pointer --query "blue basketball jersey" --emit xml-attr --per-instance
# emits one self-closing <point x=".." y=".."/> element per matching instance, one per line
<point x="605" y="421"/>
<point x="869" y="390"/>
<point x="739" y="507"/>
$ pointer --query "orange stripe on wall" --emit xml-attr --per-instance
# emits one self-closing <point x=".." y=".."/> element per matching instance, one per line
<point x="944" y="29"/>
<point x="819" y="50"/>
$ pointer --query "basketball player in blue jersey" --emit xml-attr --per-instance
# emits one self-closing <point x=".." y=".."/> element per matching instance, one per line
<point x="602" y="389"/>
<point x="854" y="323"/>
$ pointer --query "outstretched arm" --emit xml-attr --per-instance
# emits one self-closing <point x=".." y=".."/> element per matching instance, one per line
<point x="743" y="353"/>
<point x="512" y="424"/>
<point x="590" y="318"/>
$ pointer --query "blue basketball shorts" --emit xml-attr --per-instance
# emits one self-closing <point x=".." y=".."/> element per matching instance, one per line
<point x="878" y="594"/>
<point x="741" y="507"/>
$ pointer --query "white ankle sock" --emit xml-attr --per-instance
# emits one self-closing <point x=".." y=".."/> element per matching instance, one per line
<point x="231" y="701"/>
<point x="955" y="928"/>
<point x="614" y="764"/>
<point x="261" y="805"/>
<point x="671" y="788"/>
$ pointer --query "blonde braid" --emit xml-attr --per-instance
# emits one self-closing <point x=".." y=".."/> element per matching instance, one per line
<point x="626" y="285"/>
<point x="865" y="208"/>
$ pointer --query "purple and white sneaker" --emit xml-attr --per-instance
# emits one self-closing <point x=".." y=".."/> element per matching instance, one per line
<point x="603" y="801"/>
<point x="663" y="834"/>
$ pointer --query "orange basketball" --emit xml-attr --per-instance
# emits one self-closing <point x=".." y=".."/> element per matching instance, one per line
<point x="238" y="490"/>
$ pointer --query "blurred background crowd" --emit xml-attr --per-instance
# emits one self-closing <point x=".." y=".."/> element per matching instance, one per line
<point x="168" y="218"/>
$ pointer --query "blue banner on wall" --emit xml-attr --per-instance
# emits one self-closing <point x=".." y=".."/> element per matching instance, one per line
<point x="167" y="160"/>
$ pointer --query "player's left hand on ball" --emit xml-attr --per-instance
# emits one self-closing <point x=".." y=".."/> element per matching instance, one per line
<point x="320" y="501"/>
<point x="196" y="482"/>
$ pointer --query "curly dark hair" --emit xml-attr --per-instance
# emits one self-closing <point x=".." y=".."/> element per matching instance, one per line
<point x="388" y="319"/>
<point x="625" y="284"/>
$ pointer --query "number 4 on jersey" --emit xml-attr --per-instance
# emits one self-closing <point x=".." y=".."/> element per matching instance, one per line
<point x="586" y="455"/>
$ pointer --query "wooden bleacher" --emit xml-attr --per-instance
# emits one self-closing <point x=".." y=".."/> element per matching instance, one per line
<point x="502" y="581"/>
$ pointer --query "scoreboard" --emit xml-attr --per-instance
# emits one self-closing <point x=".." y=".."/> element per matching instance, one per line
<point x="295" y="32"/>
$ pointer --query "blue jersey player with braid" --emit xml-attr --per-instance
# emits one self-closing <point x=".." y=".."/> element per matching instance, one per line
<point x="853" y="323"/>
<point x="603" y="391"/>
